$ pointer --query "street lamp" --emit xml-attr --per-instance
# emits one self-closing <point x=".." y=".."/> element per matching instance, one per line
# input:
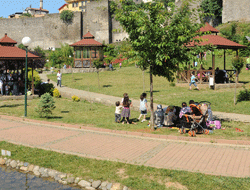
<point x="26" y="41"/>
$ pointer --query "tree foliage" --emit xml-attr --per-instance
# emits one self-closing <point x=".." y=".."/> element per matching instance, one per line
<point x="212" y="7"/>
<point x="67" y="16"/>
<point x="238" y="63"/>
<point x="110" y="53"/>
<point x="45" y="105"/>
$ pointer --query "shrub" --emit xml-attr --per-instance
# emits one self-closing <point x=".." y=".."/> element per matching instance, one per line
<point x="75" y="98"/>
<point x="238" y="63"/>
<point x="244" y="95"/>
<point x="172" y="84"/>
<point x="36" y="77"/>
<point x="67" y="16"/>
<point x="45" y="105"/>
<point x="56" y="93"/>
<point x="48" y="88"/>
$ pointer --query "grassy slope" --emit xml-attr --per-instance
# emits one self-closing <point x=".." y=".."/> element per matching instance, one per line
<point x="130" y="80"/>
<point x="102" y="116"/>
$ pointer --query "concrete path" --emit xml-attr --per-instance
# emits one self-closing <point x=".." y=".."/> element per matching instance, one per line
<point x="110" y="100"/>
<point x="215" y="159"/>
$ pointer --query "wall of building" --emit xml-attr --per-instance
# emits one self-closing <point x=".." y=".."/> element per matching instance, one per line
<point x="47" y="31"/>
<point x="235" y="10"/>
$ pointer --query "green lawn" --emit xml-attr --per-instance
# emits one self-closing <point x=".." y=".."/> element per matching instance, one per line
<point x="135" y="177"/>
<point x="99" y="115"/>
<point x="130" y="80"/>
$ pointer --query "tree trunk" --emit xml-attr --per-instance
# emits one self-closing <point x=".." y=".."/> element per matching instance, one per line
<point x="98" y="79"/>
<point x="236" y="80"/>
<point x="151" y="100"/>
<point x="143" y="81"/>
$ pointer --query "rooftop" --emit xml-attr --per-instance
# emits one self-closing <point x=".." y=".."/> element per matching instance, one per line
<point x="14" y="52"/>
<point x="208" y="28"/>
<point x="7" y="40"/>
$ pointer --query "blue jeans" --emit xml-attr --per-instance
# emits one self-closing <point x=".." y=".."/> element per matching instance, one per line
<point x="59" y="82"/>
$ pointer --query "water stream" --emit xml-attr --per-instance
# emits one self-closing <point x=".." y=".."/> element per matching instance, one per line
<point x="10" y="179"/>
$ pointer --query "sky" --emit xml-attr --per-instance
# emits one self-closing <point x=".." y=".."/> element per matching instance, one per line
<point x="9" y="7"/>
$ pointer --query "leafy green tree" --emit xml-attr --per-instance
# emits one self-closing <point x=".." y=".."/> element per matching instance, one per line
<point x="110" y="52"/>
<point x="45" y="105"/>
<point x="40" y="51"/>
<point x="67" y="16"/>
<point x="213" y="7"/>
<point x="245" y="52"/>
<point x="21" y="46"/>
<point x="158" y="36"/>
<point x="26" y="15"/>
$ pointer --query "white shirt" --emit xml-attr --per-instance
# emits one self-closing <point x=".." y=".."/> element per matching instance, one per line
<point x="59" y="76"/>
<point x="1" y="83"/>
<point x="118" y="109"/>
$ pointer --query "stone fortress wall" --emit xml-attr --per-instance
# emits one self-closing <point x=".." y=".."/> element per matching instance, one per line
<point x="47" y="31"/>
<point x="235" y="10"/>
<point x="50" y="31"/>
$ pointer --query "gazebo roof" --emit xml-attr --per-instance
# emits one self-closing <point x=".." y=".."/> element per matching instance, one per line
<point x="208" y="28"/>
<point x="218" y="41"/>
<point x="7" y="40"/>
<point x="88" y="40"/>
<point x="13" y="52"/>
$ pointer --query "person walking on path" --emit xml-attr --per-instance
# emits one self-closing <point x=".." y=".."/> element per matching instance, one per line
<point x="143" y="107"/>
<point x="59" y="78"/>
<point x="193" y="82"/>
<point x="120" y="64"/>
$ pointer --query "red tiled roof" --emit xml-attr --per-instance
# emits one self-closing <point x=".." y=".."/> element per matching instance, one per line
<point x="62" y="6"/>
<point x="88" y="35"/>
<point x="87" y="42"/>
<point x="218" y="41"/>
<point x="209" y="28"/>
<point x="14" y="52"/>
<point x="8" y="40"/>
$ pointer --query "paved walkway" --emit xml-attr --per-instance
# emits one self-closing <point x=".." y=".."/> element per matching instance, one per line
<point x="215" y="159"/>
<point x="110" y="100"/>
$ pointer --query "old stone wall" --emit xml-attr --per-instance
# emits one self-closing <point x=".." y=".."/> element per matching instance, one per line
<point x="235" y="10"/>
<point x="96" y="20"/>
<point x="47" y="31"/>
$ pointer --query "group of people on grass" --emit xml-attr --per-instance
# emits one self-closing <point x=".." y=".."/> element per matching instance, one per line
<point x="168" y="116"/>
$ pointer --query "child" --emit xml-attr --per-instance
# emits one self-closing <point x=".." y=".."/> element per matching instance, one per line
<point x="143" y="106"/>
<point x="118" y="112"/>
<point x="126" y="108"/>
<point x="159" y="116"/>
<point x="193" y="82"/>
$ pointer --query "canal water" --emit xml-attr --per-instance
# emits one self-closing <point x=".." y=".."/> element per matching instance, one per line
<point x="13" y="180"/>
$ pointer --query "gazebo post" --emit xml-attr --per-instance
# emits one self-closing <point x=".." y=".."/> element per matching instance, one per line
<point x="224" y="59"/>
<point x="188" y="73"/>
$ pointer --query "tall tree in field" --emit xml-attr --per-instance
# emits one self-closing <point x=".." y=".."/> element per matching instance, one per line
<point x="158" y="35"/>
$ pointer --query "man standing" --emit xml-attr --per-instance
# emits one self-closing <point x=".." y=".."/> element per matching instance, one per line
<point x="59" y="78"/>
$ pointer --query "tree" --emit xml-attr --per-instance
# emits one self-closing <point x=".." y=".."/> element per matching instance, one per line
<point x="98" y="64"/>
<point x="67" y="16"/>
<point x="158" y="36"/>
<point x="26" y="15"/>
<point x="45" y="105"/>
<point x="21" y="46"/>
<point x="110" y="53"/>
<point x="213" y="7"/>
<point x="238" y="64"/>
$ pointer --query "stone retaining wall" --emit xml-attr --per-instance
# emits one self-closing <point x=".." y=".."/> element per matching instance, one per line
<point x="77" y="70"/>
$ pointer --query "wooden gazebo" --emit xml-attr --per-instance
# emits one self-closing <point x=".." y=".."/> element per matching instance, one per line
<point x="13" y="59"/>
<point x="210" y="40"/>
<point x="87" y="50"/>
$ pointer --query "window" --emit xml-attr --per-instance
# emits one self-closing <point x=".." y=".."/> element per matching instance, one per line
<point x="76" y="4"/>
<point x="78" y="54"/>
<point x="86" y="53"/>
<point x="83" y="3"/>
<point x="73" y="4"/>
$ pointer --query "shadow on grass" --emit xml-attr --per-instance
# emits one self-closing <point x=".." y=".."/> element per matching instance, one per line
<point x="105" y="86"/>
<point x="153" y="91"/>
<point x="77" y="79"/>
<point x="11" y="106"/>
<point x="64" y="111"/>
<point x="54" y="117"/>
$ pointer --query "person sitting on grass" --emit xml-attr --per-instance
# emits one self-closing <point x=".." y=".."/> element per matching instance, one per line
<point x="143" y="107"/>
<point x="185" y="109"/>
<point x="118" y="110"/>
<point x="170" y="116"/>
<point x="193" y="82"/>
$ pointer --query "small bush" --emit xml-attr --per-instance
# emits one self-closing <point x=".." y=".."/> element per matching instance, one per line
<point x="244" y="95"/>
<point x="75" y="98"/>
<point x="48" y="88"/>
<point x="45" y="105"/>
<point x="172" y="84"/>
<point x="56" y="93"/>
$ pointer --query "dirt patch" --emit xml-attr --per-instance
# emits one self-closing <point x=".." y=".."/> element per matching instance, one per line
<point x="175" y="185"/>
<point x="122" y="173"/>
<point x="147" y="130"/>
